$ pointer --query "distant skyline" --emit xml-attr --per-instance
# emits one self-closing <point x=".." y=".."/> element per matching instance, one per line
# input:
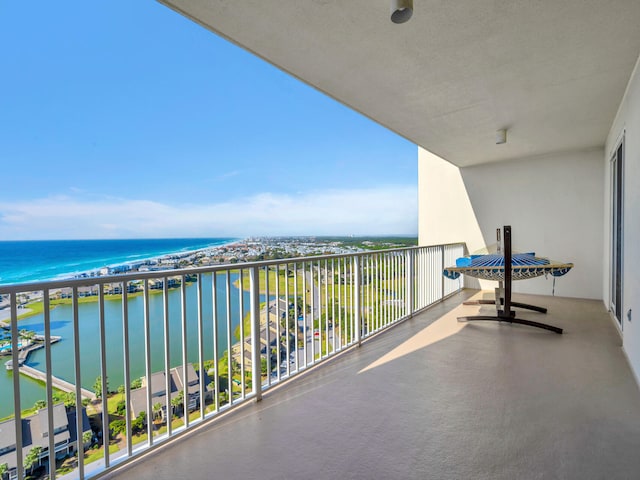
<point x="126" y="120"/>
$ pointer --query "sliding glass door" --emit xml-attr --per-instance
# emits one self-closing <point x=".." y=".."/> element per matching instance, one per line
<point x="617" y="231"/>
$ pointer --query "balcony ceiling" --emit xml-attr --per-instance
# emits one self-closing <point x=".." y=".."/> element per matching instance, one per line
<point x="552" y="72"/>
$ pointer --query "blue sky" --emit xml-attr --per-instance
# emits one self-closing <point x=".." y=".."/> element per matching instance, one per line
<point x="122" y="119"/>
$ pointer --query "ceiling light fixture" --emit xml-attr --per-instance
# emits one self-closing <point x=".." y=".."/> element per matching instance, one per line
<point x="401" y="10"/>
<point x="501" y="136"/>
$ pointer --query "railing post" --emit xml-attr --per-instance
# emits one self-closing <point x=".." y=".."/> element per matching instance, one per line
<point x="17" y="409"/>
<point x="125" y="352"/>
<point x="256" y="364"/>
<point x="409" y="282"/>
<point x="356" y="299"/>
<point x="441" y="275"/>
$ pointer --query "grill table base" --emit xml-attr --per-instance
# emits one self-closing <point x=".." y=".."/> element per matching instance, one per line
<point x="504" y="301"/>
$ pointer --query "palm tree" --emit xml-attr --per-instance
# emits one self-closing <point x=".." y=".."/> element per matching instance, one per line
<point x="32" y="458"/>
<point x="177" y="401"/>
<point x="157" y="410"/>
<point x="27" y="336"/>
<point x="23" y="333"/>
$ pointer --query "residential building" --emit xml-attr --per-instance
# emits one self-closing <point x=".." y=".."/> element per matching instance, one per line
<point x="177" y="386"/>
<point x="35" y="434"/>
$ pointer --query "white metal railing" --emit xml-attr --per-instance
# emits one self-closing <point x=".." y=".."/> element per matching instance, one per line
<point x="181" y="346"/>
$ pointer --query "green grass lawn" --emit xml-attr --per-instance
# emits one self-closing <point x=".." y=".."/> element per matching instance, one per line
<point x="95" y="454"/>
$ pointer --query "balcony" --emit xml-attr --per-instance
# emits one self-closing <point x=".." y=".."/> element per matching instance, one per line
<point x="172" y="359"/>
<point x="400" y="390"/>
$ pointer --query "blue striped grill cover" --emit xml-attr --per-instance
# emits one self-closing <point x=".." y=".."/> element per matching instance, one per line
<point x="491" y="267"/>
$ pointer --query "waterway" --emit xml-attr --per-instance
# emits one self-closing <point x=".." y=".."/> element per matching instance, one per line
<point x="62" y="353"/>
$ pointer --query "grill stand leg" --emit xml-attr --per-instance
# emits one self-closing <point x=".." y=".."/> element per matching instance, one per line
<point x="503" y="297"/>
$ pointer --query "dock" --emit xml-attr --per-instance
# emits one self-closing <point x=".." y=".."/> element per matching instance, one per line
<point x="56" y="382"/>
<point x="24" y="353"/>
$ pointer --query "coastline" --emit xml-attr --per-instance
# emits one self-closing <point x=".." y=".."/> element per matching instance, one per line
<point x="230" y="253"/>
<point x="235" y="250"/>
<point x="26" y="262"/>
<point x="127" y="266"/>
<point x="34" y="305"/>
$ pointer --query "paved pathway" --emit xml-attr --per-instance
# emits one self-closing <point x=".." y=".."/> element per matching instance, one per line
<point x="57" y="382"/>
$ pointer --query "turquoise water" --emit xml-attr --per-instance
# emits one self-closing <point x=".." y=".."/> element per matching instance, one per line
<point x="30" y="261"/>
<point x="62" y="353"/>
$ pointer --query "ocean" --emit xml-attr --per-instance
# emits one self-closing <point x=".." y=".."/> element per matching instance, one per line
<point x="38" y="260"/>
<point x="42" y="260"/>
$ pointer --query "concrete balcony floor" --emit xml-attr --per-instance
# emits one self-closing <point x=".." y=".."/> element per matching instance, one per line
<point x="434" y="398"/>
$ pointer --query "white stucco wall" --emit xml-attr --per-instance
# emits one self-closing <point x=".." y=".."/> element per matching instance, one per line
<point x="553" y="203"/>
<point x="627" y="123"/>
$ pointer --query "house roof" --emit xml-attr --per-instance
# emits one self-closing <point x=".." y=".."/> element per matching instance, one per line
<point x="39" y="427"/>
<point x="33" y="428"/>
<point x="551" y="72"/>
<point x="139" y="395"/>
<point x="7" y="433"/>
<point x="86" y="426"/>
<point x="192" y="376"/>
<point x="158" y="383"/>
<point x="59" y="417"/>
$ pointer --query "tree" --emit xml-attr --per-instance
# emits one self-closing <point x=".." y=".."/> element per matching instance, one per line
<point x="69" y="400"/>
<point x="23" y="333"/>
<point x="97" y="386"/>
<point x="32" y="458"/>
<point x="138" y="424"/>
<point x="87" y="436"/>
<point x="137" y="383"/>
<point x="40" y="404"/>
<point x="117" y="426"/>
<point x="4" y="468"/>
<point x="26" y="334"/>
<point x="209" y="365"/>
<point x="121" y="408"/>
<point x="177" y="401"/>
<point x="157" y="410"/>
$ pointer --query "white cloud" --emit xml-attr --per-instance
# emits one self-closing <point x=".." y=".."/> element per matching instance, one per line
<point x="381" y="210"/>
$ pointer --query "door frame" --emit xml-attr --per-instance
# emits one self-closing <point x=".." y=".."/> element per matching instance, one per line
<point x="616" y="232"/>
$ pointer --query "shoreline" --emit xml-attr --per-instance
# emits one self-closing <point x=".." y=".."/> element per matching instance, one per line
<point x="124" y="265"/>
<point x="229" y="252"/>
<point x="157" y="259"/>
<point x="37" y="306"/>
